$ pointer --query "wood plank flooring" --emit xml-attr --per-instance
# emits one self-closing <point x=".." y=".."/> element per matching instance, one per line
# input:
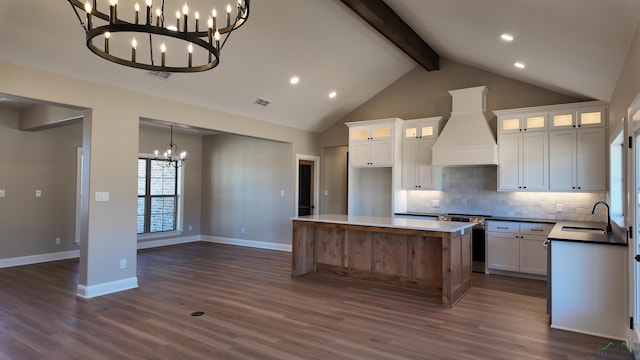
<point x="255" y="310"/>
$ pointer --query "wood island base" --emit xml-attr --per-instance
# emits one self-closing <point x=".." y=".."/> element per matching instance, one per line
<point x="437" y="263"/>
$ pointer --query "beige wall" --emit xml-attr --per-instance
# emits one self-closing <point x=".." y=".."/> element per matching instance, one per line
<point x="628" y="85"/>
<point x="110" y="140"/>
<point x="241" y="188"/>
<point x="30" y="161"/>
<point x="154" y="138"/>
<point x="421" y="94"/>
<point x="334" y="180"/>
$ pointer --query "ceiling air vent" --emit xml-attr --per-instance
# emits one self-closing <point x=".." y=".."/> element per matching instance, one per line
<point x="263" y="102"/>
<point x="159" y="74"/>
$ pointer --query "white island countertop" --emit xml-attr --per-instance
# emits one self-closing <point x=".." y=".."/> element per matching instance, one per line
<point x="389" y="222"/>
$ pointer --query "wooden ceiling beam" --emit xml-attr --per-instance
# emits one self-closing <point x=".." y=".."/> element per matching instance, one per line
<point x="379" y="15"/>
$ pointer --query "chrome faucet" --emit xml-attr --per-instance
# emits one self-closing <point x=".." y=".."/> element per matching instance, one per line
<point x="608" y="214"/>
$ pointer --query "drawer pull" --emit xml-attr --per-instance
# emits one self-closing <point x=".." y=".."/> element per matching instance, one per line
<point x="537" y="229"/>
<point x="502" y="227"/>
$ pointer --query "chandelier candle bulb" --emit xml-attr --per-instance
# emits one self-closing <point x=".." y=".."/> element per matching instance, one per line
<point x="113" y="11"/>
<point x="197" y="16"/>
<point x="177" y="20"/>
<point x="163" y="49"/>
<point x="87" y="8"/>
<point x="149" y="2"/>
<point x="217" y="37"/>
<point x="214" y="13"/>
<point x="210" y="30"/>
<point x="134" y="44"/>
<point x="158" y="13"/>
<point x="228" y="15"/>
<point x="137" y="7"/>
<point x="190" y="49"/>
<point x="107" y="35"/>
<point x="185" y="11"/>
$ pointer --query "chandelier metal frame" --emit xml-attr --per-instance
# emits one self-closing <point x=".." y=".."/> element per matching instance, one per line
<point x="170" y="158"/>
<point x="211" y="45"/>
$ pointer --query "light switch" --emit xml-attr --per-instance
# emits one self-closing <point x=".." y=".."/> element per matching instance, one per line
<point x="1" y="192"/>
<point x="38" y="193"/>
<point x="326" y="193"/>
<point x="282" y="193"/>
<point x="102" y="196"/>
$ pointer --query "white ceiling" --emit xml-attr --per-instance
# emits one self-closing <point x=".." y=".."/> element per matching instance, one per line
<point x="575" y="47"/>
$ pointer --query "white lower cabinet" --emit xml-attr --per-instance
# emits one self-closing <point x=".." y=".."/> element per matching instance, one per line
<point x="517" y="246"/>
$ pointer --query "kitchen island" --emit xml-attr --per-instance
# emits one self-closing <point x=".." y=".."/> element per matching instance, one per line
<point x="426" y="255"/>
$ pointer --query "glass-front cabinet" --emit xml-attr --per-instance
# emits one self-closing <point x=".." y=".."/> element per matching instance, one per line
<point x="577" y="118"/>
<point x="523" y="122"/>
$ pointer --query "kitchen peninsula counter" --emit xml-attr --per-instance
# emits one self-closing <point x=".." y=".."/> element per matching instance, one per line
<point x="426" y="255"/>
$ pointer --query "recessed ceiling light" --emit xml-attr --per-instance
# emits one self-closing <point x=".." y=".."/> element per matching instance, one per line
<point x="332" y="94"/>
<point x="294" y="80"/>
<point x="506" y="37"/>
<point x="519" y="65"/>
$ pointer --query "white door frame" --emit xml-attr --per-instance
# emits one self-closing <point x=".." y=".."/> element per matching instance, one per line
<point x="316" y="181"/>
<point x="632" y="218"/>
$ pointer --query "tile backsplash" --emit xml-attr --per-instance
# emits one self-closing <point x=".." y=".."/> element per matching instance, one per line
<point x="473" y="190"/>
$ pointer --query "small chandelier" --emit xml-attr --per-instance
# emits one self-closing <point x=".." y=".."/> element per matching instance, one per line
<point x="169" y="158"/>
<point x="184" y="46"/>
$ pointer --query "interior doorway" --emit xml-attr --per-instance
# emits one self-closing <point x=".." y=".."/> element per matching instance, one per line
<point x="307" y="185"/>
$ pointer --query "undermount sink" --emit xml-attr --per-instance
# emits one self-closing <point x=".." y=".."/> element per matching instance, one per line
<point x="588" y="230"/>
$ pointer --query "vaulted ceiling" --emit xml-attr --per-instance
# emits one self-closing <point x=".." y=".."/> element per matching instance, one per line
<point x="575" y="47"/>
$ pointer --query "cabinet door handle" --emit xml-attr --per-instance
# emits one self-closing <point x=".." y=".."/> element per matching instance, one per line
<point x="546" y="243"/>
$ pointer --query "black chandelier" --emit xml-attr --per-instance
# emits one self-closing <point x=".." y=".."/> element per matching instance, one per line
<point x="170" y="158"/>
<point x="114" y="38"/>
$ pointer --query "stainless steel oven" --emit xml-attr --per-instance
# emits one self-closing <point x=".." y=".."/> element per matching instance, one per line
<point x="477" y="237"/>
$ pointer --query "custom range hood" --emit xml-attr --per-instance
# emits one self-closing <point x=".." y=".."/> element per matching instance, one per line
<point x="467" y="138"/>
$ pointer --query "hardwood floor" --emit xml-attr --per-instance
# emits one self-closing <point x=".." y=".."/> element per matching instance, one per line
<point x="255" y="310"/>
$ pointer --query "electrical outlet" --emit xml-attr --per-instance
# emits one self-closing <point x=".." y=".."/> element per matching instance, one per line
<point x="436" y="203"/>
<point x="1" y="192"/>
<point x="190" y="227"/>
<point x="282" y="193"/>
<point x="123" y="264"/>
<point x="57" y="241"/>
<point x="559" y="208"/>
<point x="326" y="193"/>
<point x="38" y="193"/>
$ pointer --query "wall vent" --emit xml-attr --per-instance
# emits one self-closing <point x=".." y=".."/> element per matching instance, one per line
<point x="263" y="102"/>
<point x="159" y="74"/>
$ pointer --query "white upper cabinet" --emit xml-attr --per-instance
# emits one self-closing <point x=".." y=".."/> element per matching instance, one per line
<point x="590" y="116"/>
<point x="371" y="142"/>
<point x="557" y="148"/>
<point x="535" y="121"/>
<point x="524" y="161"/>
<point x="418" y="137"/>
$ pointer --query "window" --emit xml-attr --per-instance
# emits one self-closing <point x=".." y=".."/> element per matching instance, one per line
<point x="616" y="179"/>
<point x="157" y="196"/>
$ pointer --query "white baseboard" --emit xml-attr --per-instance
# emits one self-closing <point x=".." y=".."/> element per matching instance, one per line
<point x="247" y="243"/>
<point x="606" y="336"/>
<point x="90" y="291"/>
<point x="167" y="242"/>
<point x="40" y="258"/>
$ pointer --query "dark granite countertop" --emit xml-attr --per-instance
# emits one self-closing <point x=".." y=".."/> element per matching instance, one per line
<point x="556" y="233"/>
